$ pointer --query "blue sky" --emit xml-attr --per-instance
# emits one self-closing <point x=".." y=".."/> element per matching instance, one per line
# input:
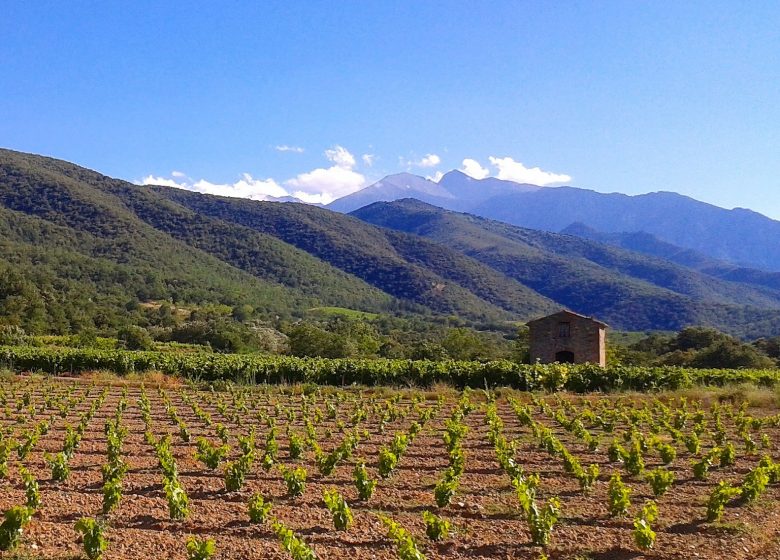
<point x="614" y="96"/>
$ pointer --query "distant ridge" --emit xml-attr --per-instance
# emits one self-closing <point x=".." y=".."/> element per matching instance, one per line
<point x="741" y="237"/>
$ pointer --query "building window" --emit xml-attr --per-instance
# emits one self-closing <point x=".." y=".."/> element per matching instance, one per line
<point x="564" y="330"/>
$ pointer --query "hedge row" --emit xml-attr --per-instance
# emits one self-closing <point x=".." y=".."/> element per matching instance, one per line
<point x="283" y="369"/>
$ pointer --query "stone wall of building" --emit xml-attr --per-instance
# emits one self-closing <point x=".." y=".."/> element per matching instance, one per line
<point x="584" y="339"/>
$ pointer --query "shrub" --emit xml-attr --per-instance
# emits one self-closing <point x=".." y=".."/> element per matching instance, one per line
<point x="365" y="486"/>
<point x="436" y="527"/>
<point x="31" y="489"/>
<point x="259" y="509"/>
<point x="209" y="454"/>
<point x="405" y="547"/>
<point x="754" y="484"/>
<point x="660" y="481"/>
<point x="387" y="462"/>
<point x="618" y="496"/>
<point x="178" y="502"/>
<point x="337" y="506"/>
<point x="445" y="488"/>
<point x="94" y="542"/>
<point x="644" y="536"/>
<point x="295" y="479"/>
<point x="718" y="499"/>
<point x="200" y="549"/>
<point x="12" y="526"/>
<point x="294" y="545"/>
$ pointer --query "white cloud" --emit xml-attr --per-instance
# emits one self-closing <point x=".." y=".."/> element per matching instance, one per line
<point x="430" y="160"/>
<point x="472" y="168"/>
<point x="320" y="185"/>
<point x="512" y="170"/>
<point x="368" y="159"/>
<point x="436" y="177"/>
<point x="246" y="187"/>
<point x="163" y="181"/>
<point x="286" y="148"/>
<point x="341" y="157"/>
<point x="332" y="182"/>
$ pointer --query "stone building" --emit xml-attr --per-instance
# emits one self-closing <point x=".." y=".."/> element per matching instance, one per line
<point x="568" y="337"/>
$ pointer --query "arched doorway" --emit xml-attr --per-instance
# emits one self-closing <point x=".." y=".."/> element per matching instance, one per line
<point x="564" y="357"/>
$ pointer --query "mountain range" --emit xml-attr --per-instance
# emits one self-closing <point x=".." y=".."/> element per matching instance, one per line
<point x="741" y="237"/>
<point x="76" y="246"/>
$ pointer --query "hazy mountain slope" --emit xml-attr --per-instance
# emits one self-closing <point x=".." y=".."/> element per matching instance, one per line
<point x="648" y="244"/>
<point x="455" y="190"/>
<point x="409" y="268"/>
<point x="623" y="288"/>
<point x="739" y="236"/>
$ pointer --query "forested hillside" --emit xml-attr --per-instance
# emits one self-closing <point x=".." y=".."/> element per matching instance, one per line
<point x="626" y="289"/>
<point x="81" y="250"/>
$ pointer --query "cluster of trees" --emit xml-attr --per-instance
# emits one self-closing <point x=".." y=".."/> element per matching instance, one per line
<point x="699" y="347"/>
<point x="242" y="329"/>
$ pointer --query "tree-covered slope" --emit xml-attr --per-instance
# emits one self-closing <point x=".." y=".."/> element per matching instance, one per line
<point x="280" y="258"/>
<point x="628" y="290"/>
<point x="408" y="267"/>
<point x="76" y="219"/>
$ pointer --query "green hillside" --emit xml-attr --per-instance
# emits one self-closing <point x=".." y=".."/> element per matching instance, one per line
<point x="84" y="245"/>
<point x="627" y="290"/>
<point x="430" y="275"/>
<point x="81" y="250"/>
<point x="73" y="248"/>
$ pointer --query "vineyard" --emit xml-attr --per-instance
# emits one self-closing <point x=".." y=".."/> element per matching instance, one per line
<point x="258" y="369"/>
<point x="303" y="472"/>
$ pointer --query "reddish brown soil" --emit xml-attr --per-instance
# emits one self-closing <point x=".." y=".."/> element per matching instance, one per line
<point x="484" y="511"/>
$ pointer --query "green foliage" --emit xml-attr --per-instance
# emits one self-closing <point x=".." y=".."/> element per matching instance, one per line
<point x="728" y="455"/>
<point x="135" y="338"/>
<point x="542" y="520"/>
<point x="668" y="453"/>
<point x="616" y="452"/>
<point x="60" y="470"/>
<point x="660" y="481"/>
<point x="112" y="494"/>
<point x="365" y="486"/>
<point x="200" y="549"/>
<point x="293" y="544"/>
<point x="210" y="454"/>
<point x="296" y="446"/>
<point x="644" y="536"/>
<point x="405" y="546"/>
<point x="337" y="506"/>
<point x="259" y="509"/>
<point x="387" y="462"/>
<point x="437" y="528"/>
<point x="618" y="496"/>
<point x="12" y="526"/>
<point x="633" y="460"/>
<point x="178" y="501"/>
<point x="31" y="489"/>
<point x="236" y="472"/>
<point x="754" y="484"/>
<point x="295" y="479"/>
<point x="718" y="499"/>
<point x="95" y="544"/>
<point x="692" y="443"/>
<point x="275" y="369"/>
<point x="445" y="488"/>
